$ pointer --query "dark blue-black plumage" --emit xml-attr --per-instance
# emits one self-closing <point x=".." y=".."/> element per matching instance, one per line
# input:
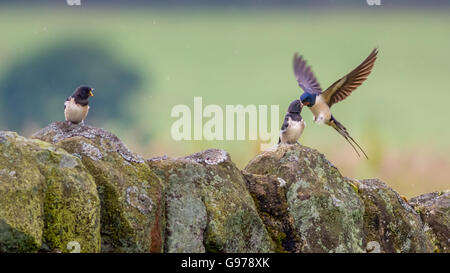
<point x="320" y="102"/>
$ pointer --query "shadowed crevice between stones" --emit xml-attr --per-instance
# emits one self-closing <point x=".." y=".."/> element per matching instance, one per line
<point x="208" y="206"/>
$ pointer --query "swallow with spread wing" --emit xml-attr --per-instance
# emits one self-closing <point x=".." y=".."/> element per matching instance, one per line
<point x="320" y="102"/>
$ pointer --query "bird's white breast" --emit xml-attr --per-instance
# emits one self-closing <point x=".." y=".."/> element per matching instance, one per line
<point x="320" y="110"/>
<point x="75" y="113"/>
<point x="293" y="131"/>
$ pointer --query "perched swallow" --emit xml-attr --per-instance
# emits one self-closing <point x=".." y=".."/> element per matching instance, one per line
<point x="293" y="124"/>
<point x="320" y="102"/>
<point x="76" y="107"/>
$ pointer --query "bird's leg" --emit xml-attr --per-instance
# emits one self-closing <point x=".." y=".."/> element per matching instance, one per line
<point x="82" y="123"/>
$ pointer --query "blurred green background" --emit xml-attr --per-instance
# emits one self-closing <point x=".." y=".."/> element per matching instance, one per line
<point x="143" y="61"/>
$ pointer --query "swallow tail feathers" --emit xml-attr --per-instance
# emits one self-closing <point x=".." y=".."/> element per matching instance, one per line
<point x="343" y="131"/>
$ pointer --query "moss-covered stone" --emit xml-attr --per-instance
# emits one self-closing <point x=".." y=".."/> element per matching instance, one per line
<point x="434" y="209"/>
<point x="269" y="193"/>
<point x="78" y="185"/>
<point x="208" y="206"/>
<point x="132" y="217"/>
<point x="390" y="223"/>
<point x="304" y="200"/>
<point x="48" y="198"/>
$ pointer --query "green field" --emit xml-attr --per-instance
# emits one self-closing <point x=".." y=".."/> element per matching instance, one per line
<point x="244" y="57"/>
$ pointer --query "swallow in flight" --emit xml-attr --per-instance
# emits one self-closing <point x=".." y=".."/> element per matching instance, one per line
<point x="320" y="102"/>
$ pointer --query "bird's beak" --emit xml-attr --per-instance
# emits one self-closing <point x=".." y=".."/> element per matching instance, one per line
<point x="90" y="93"/>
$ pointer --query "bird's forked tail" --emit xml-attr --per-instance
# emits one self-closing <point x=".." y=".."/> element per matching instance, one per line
<point x="343" y="131"/>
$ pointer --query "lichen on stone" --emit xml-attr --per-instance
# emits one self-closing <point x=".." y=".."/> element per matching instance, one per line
<point x="48" y="198"/>
<point x="132" y="217"/>
<point x="75" y="185"/>
<point x="138" y="199"/>
<point x="58" y="131"/>
<point x="434" y="210"/>
<point x="210" y="157"/>
<point x="91" y="151"/>
<point x="390" y="221"/>
<point x="323" y="213"/>
<point x="209" y="186"/>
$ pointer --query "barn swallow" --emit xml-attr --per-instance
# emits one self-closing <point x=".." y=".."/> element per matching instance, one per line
<point x="320" y="102"/>
<point x="293" y="124"/>
<point x="76" y="107"/>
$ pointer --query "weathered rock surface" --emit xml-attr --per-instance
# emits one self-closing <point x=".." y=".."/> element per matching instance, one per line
<point x="48" y="199"/>
<point x="305" y="202"/>
<point x="80" y="186"/>
<point x="390" y="224"/>
<point x="208" y="206"/>
<point x="132" y="215"/>
<point x="434" y="209"/>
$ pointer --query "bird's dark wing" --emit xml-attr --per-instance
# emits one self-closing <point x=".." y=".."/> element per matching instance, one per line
<point x="343" y="87"/>
<point x="305" y="77"/>
<point x="285" y="123"/>
<point x="284" y="126"/>
<point x="68" y="99"/>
